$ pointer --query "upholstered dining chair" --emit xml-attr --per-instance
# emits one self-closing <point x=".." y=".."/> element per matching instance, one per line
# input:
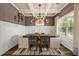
<point x="45" y="42"/>
<point x="55" y="42"/>
<point x="23" y="42"/>
<point x="33" y="44"/>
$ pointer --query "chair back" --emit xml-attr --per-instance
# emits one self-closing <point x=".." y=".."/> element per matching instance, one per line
<point x="32" y="40"/>
<point x="45" y="40"/>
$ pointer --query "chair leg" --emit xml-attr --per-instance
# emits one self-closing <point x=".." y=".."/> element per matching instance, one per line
<point x="36" y="48"/>
<point x="47" y="47"/>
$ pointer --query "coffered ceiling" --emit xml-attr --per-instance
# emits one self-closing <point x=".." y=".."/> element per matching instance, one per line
<point x="33" y="9"/>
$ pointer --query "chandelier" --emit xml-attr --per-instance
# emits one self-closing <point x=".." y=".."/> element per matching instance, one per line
<point x="40" y="19"/>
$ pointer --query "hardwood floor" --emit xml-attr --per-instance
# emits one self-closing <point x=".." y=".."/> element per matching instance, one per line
<point x="51" y="52"/>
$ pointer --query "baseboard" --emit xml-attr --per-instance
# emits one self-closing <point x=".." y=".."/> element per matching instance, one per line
<point x="66" y="48"/>
<point x="7" y="50"/>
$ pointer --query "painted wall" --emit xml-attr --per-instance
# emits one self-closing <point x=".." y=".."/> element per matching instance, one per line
<point x="7" y="13"/>
<point x="8" y="35"/>
<point x="49" y="18"/>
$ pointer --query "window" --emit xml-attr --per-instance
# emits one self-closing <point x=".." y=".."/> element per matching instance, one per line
<point x="66" y="25"/>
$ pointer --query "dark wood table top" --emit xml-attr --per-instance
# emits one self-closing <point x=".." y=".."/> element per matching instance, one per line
<point x="39" y="35"/>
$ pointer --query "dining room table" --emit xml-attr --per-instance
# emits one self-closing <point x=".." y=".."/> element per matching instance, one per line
<point x="39" y="36"/>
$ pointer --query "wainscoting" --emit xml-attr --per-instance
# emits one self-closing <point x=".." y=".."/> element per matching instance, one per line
<point x="9" y="33"/>
<point x="41" y="29"/>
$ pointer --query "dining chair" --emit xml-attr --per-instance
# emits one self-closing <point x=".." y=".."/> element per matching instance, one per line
<point x="42" y="33"/>
<point x="45" y="42"/>
<point x="23" y="42"/>
<point x="33" y="44"/>
<point x="55" y="42"/>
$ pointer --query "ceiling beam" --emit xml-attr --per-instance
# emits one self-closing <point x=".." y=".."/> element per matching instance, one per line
<point x="31" y="8"/>
<point x="64" y="6"/>
<point x="15" y="6"/>
<point x="47" y="8"/>
<point x="43" y="11"/>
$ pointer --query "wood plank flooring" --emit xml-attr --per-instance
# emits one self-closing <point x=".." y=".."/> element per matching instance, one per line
<point x="62" y="51"/>
<point x="51" y="52"/>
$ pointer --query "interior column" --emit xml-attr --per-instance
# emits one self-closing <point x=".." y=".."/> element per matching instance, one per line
<point x="76" y="30"/>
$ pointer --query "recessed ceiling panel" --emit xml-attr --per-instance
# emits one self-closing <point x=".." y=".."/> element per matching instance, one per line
<point x="48" y="9"/>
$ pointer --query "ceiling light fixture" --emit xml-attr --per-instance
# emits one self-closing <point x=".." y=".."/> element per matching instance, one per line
<point x="40" y="18"/>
